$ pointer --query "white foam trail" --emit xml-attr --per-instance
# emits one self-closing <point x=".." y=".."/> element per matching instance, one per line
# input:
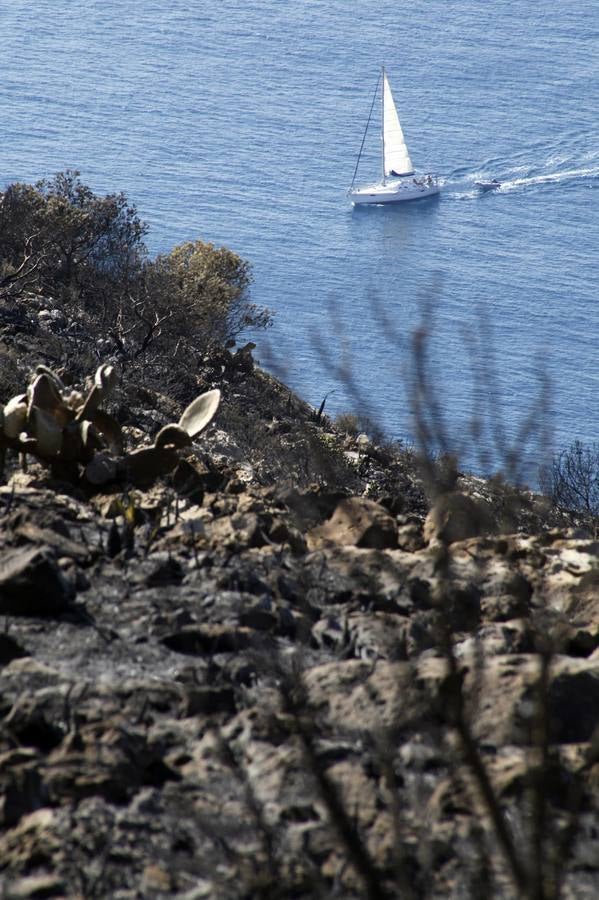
<point x="551" y="178"/>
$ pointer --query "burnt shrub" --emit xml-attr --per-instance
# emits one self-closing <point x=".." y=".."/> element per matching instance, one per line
<point x="82" y="257"/>
<point x="572" y="478"/>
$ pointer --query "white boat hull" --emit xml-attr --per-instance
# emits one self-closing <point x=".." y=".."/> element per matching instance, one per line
<point x="395" y="191"/>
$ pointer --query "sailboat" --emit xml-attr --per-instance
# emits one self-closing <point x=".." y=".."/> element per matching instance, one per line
<point x="400" y="181"/>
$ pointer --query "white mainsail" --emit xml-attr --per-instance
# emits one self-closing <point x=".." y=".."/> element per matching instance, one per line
<point x="399" y="181"/>
<point x="396" y="159"/>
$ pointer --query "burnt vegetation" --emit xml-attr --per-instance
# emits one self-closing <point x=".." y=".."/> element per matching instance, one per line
<point x="85" y="255"/>
<point x="572" y="480"/>
<point x="351" y="670"/>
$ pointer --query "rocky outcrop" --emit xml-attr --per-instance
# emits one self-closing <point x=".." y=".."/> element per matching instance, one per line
<point x="243" y="690"/>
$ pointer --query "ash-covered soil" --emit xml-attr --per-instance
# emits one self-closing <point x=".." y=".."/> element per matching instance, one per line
<point x="281" y="672"/>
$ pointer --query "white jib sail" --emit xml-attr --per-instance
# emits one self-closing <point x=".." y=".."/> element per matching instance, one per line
<point x="397" y="159"/>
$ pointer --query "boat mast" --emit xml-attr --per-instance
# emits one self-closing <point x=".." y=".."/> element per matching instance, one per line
<point x="383" y="120"/>
<point x="376" y="90"/>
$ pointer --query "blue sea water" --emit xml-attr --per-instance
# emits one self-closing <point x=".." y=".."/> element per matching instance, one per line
<point x="239" y="123"/>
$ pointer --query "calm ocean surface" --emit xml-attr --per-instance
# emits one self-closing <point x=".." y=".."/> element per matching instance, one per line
<point x="239" y="123"/>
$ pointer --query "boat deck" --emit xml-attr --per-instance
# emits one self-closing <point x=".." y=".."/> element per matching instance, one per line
<point x="396" y="190"/>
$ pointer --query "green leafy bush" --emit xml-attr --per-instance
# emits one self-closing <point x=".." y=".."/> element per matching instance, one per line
<point x="199" y="293"/>
<point x="86" y="253"/>
<point x="58" y="238"/>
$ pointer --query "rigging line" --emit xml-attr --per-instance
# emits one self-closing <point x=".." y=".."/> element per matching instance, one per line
<point x="366" y="130"/>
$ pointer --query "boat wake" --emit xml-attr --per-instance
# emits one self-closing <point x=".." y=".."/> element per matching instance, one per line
<point x="467" y="184"/>
<point x="566" y="175"/>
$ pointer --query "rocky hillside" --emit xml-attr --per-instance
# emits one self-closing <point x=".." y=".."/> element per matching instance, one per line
<point x="278" y="671"/>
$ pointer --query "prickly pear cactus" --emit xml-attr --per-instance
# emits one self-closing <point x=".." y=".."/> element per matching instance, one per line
<point x="63" y="428"/>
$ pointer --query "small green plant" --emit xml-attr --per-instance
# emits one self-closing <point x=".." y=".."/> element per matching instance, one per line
<point x="349" y="423"/>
